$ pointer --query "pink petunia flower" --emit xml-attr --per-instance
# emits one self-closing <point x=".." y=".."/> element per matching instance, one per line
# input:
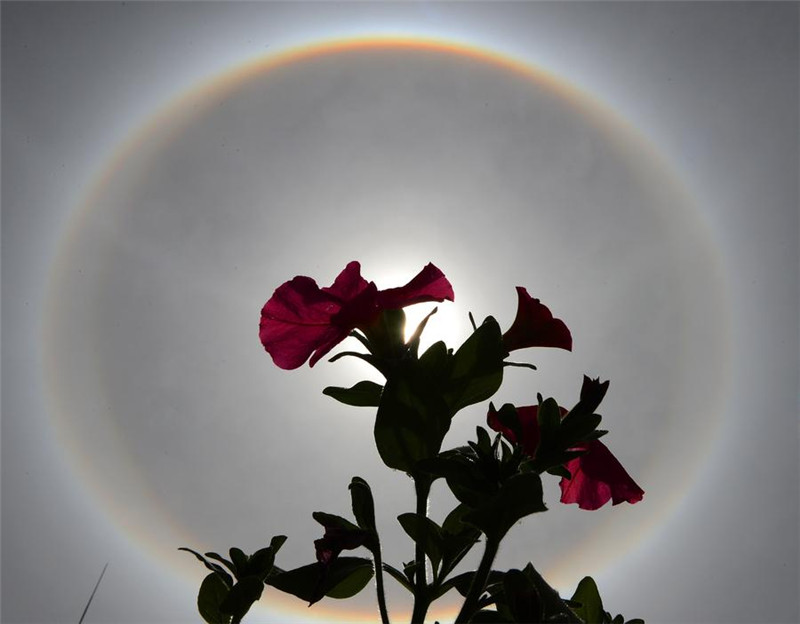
<point x="597" y="477"/>
<point x="534" y="326"/>
<point x="302" y="320"/>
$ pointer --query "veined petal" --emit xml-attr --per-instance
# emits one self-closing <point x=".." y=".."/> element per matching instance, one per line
<point x="295" y="322"/>
<point x="429" y="284"/>
<point x="534" y="326"/>
<point x="597" y="477"/>
<point x="348" y="284"/>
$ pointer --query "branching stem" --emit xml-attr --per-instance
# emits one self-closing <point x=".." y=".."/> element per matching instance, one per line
<point x="422" y="485"/>
<point x="478" y="582"/>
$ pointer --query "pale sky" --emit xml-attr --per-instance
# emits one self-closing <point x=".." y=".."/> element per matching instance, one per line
<point x="167" y="165"/>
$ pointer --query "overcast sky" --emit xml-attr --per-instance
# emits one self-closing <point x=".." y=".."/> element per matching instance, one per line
<point x="167" y="165"/>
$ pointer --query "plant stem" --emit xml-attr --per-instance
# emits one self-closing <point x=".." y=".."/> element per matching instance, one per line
<point x="478" y="582"/>
<point x="376" y="553"/>
<point x="422" y="485"/>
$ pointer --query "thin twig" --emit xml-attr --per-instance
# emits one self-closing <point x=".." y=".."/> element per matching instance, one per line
<point x="94" y="591"/>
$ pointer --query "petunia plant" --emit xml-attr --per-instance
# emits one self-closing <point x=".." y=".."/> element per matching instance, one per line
<point x="496" y="478"/>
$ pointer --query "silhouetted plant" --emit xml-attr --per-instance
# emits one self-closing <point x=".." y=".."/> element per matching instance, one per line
<point x="496" y="480"/>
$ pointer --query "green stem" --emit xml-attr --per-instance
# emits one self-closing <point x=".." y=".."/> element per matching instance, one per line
<point x="422" y="485"/>
<point x="478" y="582"/>
<point x="376" y="553"/>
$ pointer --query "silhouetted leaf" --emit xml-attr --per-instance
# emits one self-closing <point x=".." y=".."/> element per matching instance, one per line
<point x="276" y="542"/>
<point x="363" y="503"/>
<point x="332" y="520"/>
<point x="458" y="538"/>
<point x="426" y="531"/>
<point x="363" y="394"/>
<point x="345" y="577"/>
<point x="555" y="608"/>
<point x="463" y="581"/>
<point x="477" y="367"/>
<point x="260" y="562"/>
<point x="591" y="606"/>
<point x="522" y="598"/>
<point x="211" y="566"/>
<point x="398" y="576"/>
<point x="212" y="592"/>
<point x="519" y="496"/>
<point x="412" y="420"/>
<point x="242" y="596"/>
<point x="239" y="560"/>
<point x="221" y="559"/>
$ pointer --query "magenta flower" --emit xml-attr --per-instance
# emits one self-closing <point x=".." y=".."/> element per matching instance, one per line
<point x="337" y="539"/>
<point x="302" y="320"/>
<point x="534" y="326"/>
<point x="529" y="425"/>
<point x="597" y="477"/>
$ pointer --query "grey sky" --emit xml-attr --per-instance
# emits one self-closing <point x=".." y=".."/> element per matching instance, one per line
<point x="139" y="405"/>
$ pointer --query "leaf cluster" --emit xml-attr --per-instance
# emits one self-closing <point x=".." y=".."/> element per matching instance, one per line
<point x="234" y="584"/>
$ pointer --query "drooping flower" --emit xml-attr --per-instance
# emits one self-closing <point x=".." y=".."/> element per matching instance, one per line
<point x="340" y="534"/>
<point x="597" y="477"/>
<point x="337" y="539"/>
<point x="534" y="326"/>
<point x="302" y="320"/>
<point x="528" y="419"/>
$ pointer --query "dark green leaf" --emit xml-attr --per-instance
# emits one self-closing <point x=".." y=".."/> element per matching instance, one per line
<point x="555" y="608"/>
<point x="468" y="484"/>
<point x="260" y="562"/>
<point x="393" y="327"/>
<point x="559" y="471"/>
<point x="363" y="503"/>
<point x="307" y="582"/>
<point x="477" y="367"/>
<point x="519" y="496"/>
<point x="522" y="598"/>
<point x="549" y="421"/>
<point x="412" y="420"/>
<point x="458" y="538"/>
<point x="212" y="592"/>
<point x="352" y="583"/>
<point x="363" y="394"/>
<point x="242" y="596"/>
<point x="484" y="441"/>
<point x="276" y="542"/>
<point x="426" y="531"/>
<point x="413" y="342"/>
<point x="398" y="576"/>
<point x="576" y="428"/>
<point x="410" y="570"/>
<point x="239" y="560"/>
<point x="435" y="361"/>
<point x="332" y="520"/>
<point x="221" y="559"/>
<point x="591" y="609"/>
<point x="508" y="417"/>
<point x="211" y="566"/>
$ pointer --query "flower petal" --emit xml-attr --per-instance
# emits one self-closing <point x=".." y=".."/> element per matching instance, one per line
<point x="534" y="326"/>
<point x="597" y="477"/>
<point x="295" y="322"/>
<point x="348" y="284"/>
<point x="429" y="284"/>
